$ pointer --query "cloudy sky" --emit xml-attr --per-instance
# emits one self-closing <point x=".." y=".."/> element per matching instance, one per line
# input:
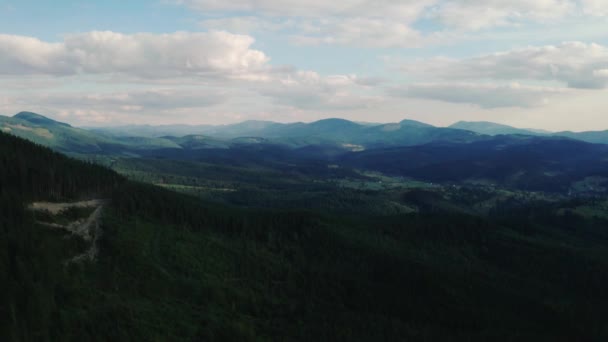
<point x="528" y="63"/>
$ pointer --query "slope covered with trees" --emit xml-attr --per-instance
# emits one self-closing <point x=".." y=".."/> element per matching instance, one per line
<point x="173" y="267"/>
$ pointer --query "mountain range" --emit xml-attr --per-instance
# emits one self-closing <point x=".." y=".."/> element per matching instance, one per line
<point x="65" y="138"/>
<point x="406" y="132"/>
<point x="332" y="231"/>
<point x="142" y="263"/>
<point x="338" y="132"/>
<point x="490" y="128"/>
<point x="466" y="152"/>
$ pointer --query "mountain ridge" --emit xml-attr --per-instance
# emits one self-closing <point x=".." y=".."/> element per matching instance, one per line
<point x="337" y="132"/>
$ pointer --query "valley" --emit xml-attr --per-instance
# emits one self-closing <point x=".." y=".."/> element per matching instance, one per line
<point x="498" y="238"/>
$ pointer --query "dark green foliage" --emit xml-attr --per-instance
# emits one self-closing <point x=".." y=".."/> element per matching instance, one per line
<point x="31" y="257"/>
<point x="173" y="267"/>
<point x="521" y="162"/>
<point x="219" y="273"/>
<point x="36" y="172"/>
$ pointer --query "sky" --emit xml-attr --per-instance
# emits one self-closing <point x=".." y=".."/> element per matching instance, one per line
<point x="527" y="63"/>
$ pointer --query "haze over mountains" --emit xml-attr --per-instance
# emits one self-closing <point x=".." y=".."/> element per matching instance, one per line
<point x="339" y="132"/>
<point x="465" y="152"/>
<point x="490" y="128"/>
<point x="340" y="127"/>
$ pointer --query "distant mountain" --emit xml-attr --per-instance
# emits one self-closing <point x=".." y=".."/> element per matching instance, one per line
<point x="326" y="131"/>
<point x="147" y="143"/>
<point x="491" y="128"/>
<point x="524" y="162"/>
<point x="347" y="133"/>
<point x="57" y="135"/>
<point x="38" y="119"/>
<point x="332" y="136"/>
<point x="65" y="138"/>
<point x="596" y="137"/>
<point x="150" y="131"/>
<point x="195" y="142"/>
<point x="242" y="129"/>
<point x="410" y="133"/>
<point x="414" y="123"/>
<point x="246" y="128"/>
<point x="331" y="131"/>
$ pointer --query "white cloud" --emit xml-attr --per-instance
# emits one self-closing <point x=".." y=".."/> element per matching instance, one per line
<point x="384" y="23"/>
<point x="367" y="23"/>
<point x="98" y="107"/>
<point x="576" y="64"/>
<point x="402" y="9"/>
<point x="365" y="32"/>
<point x="246" y="24"/>
<point x="310" y="91"/>
<point x="198" y="71"/>
<point x="355" y="31"/>
<point x="151" y="100"/>
<point x="595" y="7"/>
<point x="484" y="95"/>
<point x="145" y="55"/>
<point x="479" y="14"/>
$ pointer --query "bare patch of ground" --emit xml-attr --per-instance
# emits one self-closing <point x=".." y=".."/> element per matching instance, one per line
<point x="56" y="208"/>
<point x="43" y="132"/>
<point x="88" y="229"/>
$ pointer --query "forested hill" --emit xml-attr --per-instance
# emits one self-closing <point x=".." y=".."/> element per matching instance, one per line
<point x="33" y="172"/>
<point x="173" y="268"/>
<point x="32" y="257"/>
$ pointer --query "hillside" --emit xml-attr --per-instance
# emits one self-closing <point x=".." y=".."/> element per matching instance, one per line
<point x="524" y="162"/>
<point x="333" y="136"/>
<point x="173" y="267"/>
<point x="595" y="137"/>
<point x="57" y="135"/>
<point x="491" y="128"/>
<point x="31" y="172"/>
<point x="322" y="132"/>
<point x="65" y="138"/>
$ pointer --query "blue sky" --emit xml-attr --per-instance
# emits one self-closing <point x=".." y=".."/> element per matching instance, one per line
<point x="541" y="63"/>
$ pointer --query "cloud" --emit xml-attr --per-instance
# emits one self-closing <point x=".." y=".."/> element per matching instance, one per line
<point x="144" y="55"/>
<point x="460" y="13"/>
<point x="247" y="24"/>
<point x="311" y="91"/>
<point x="576" y="64"/>
<point x="483" y="95"/>
<point x="385" y="23"/>
<point x="197" y="70"/>
<point x="359" y="31"/>
<point x="595" y="7"/>
<point x="366" y="23"/>
<point x="99" y="107"/>
<point x="403" y="9"/>
<point x="151" y="100"/>
<point x="365" y="32"/>
<point x="479" y="14"/>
